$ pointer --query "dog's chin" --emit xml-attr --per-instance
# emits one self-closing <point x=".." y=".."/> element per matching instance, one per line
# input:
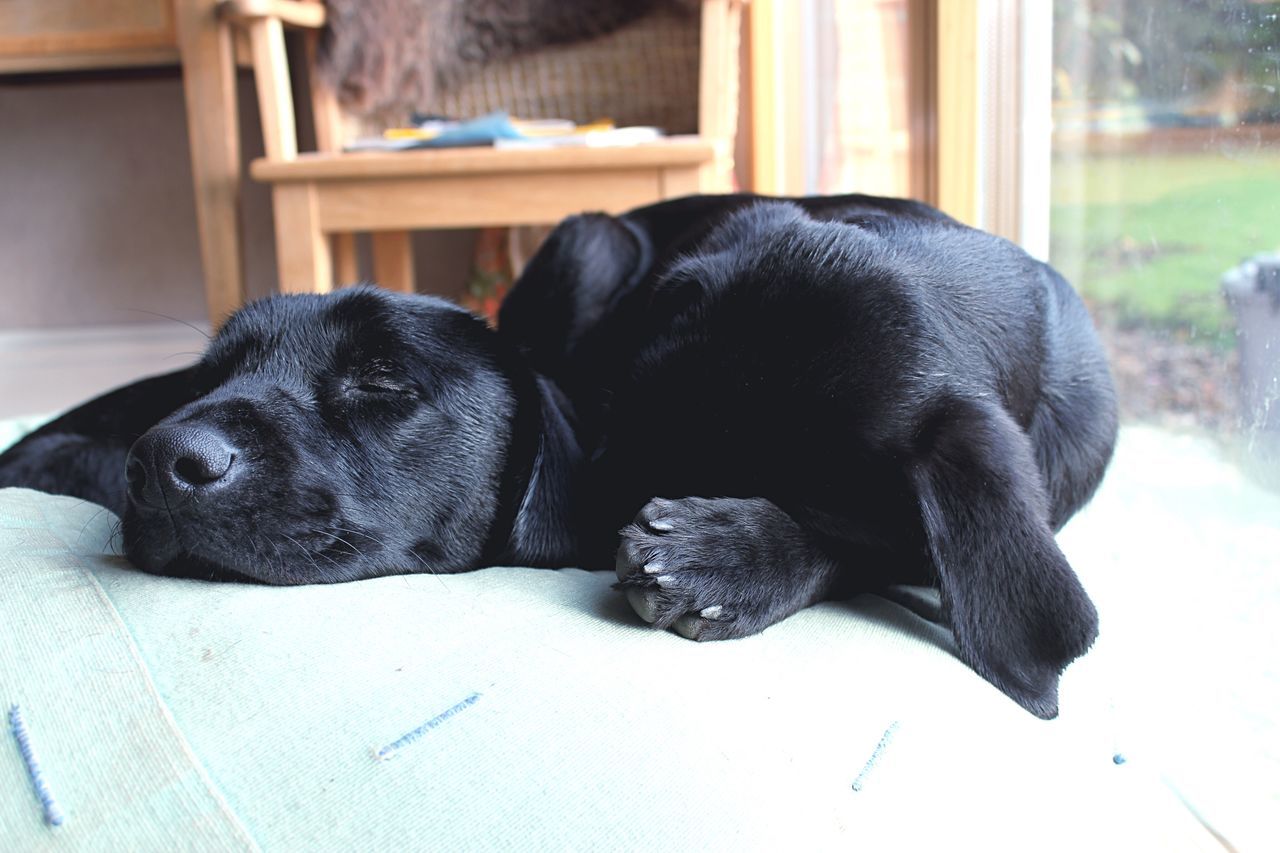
<point x="178" y="563"/>
<point x="196" y="568"/>
<point x="157" y="549"/>
<point x="174" y="562"/>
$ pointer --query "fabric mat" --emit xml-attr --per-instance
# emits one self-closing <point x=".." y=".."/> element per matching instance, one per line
<point x="520" y="709"/>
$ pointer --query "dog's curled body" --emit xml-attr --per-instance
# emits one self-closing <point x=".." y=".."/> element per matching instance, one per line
<point x="776" y="402"/>
<point x="870" y="392"/>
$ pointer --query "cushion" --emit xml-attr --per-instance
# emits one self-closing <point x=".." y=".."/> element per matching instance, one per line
<point x="515" y="708"/>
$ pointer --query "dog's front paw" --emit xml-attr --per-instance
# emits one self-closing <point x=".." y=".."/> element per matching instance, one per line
<point x="715" y="569"/>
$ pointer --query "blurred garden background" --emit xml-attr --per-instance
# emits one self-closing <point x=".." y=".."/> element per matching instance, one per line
<point x="1166" y="173"/>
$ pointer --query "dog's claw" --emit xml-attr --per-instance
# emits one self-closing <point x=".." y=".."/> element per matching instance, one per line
<point x="654" y="568"/>
<point x="713" y="612"/>
<point x="661" y="525"/>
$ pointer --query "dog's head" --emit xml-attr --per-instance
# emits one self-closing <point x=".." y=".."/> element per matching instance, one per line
<point x="332" y="438"/>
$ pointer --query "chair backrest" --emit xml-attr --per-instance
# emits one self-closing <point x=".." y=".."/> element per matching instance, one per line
<point x="638" y="74"/>
<point x="550" y="75"/>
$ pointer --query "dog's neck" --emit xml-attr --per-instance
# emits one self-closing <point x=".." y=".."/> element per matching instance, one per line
<point x="534" y="523"/>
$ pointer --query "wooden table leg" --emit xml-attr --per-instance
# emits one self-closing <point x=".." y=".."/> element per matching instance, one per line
<point x="213" y="125"/>
<point x="303" y="254"/>
<point x="346" y="268"/>
<point x="393" y="260"/>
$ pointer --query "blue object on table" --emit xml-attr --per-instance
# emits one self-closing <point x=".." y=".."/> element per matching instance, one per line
<point x="477" y="131"/>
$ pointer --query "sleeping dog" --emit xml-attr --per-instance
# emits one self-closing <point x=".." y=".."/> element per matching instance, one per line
<point x="743" y="405"/>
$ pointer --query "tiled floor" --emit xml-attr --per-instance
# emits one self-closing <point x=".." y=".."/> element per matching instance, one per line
<point x="46" y="371"/>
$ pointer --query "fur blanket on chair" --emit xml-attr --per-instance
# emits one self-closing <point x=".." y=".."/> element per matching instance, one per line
<point x="385" y="56"/>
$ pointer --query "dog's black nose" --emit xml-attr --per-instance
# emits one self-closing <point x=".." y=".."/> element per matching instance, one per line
<point x="169" y="464"/>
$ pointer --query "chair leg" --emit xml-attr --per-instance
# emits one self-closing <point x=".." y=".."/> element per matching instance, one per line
<point x="393" y="260"/>
<point x="213" y="125"/>
<point x="346" y="268"/>
<point x="303" y="256"/>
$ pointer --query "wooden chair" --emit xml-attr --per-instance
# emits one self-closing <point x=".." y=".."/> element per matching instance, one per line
<point x="322" y="199"/>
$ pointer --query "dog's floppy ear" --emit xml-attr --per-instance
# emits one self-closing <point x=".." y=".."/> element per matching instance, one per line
<point x="583" y="267"/>
<point x="1017" y="609"/>
<point x="82" y="453"/>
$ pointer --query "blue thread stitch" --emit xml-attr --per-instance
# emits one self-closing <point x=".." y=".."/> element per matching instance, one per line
<point x="52" y="814"/>
<point x="875" y="754"/>
<point x="430" y="724"/>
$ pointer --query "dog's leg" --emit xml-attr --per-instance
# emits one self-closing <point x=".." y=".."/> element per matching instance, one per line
<point x="719" y="568"/>
<point x="1018" y="611"/>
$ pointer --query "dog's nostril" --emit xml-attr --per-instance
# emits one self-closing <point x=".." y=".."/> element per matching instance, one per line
<point x="136" y="477"/>
<point x="202" y="468"/>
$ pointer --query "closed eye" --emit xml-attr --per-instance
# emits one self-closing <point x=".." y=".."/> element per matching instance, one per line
<point x="379" y="377"/>
<point x="381" y="386"/>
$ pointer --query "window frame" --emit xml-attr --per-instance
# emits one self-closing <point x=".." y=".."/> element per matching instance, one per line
<point x="979" y="108"/>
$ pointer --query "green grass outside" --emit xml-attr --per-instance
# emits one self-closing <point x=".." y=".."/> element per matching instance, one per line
<point x="1149" y="236"/>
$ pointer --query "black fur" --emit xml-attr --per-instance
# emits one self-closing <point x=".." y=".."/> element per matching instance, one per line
<point x="775" y="402"/>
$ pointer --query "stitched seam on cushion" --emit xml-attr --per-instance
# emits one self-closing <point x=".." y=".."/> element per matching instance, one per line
<point x="232" y="819"/>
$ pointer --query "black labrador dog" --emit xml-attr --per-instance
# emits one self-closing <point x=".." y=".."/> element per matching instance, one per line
<point x="774" y="401"/>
